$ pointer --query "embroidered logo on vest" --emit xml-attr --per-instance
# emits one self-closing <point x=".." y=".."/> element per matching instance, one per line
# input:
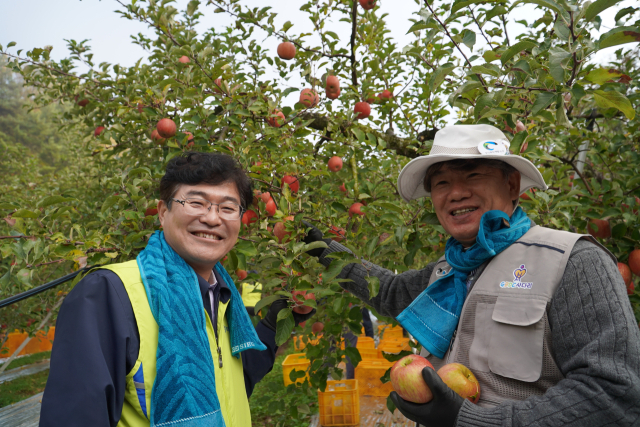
<point x="518" y="274"/>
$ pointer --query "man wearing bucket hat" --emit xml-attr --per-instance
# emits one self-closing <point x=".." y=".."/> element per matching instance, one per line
<point x="540" y="316"/>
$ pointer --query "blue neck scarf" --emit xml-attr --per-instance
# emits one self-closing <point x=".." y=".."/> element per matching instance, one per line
<point x="184" y="391"/>
<point x="433" y="316"/>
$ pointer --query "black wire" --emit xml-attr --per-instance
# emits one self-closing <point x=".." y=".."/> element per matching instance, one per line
<point x="42" y="288"/>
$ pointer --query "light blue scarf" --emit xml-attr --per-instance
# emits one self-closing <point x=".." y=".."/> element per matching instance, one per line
<point x="433" y="316"/>
<point x="184" y="391"/>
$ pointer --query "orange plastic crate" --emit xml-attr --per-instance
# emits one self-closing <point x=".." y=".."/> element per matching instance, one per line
<point x="370" y="353"/>
<point x="368" y="373"/>
<point x="387" y="331"/>
<point x="300" y="344"/>
<point x="339" y="404"/>
<point x="365" y="342"/>
<point x="394" y="345"/>
<point x="297" y="362"/>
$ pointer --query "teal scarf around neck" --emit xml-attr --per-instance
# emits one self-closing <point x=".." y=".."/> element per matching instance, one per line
<point x="184" y="391"/>
<point x="433" y="316"/>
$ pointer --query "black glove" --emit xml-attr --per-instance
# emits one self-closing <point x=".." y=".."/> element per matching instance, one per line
<point x="314" y="235"/>
<point x="442" y="411"/>
<point x="271" y="318"/>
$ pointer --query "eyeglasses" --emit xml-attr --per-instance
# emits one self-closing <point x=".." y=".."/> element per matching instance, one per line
<point x="200" y="207"/>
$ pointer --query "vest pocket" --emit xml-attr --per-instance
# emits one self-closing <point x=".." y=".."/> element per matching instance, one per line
<point x="517" y="338"/>
<point x="479" y="350"/>
<point x="136" y="393"/>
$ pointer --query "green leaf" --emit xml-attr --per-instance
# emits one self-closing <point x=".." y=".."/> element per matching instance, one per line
<point x="601" y="75"/>
<point x="491" y="56"/>
<point x="374" y="285"/>
<point x="484" y="69"/>
<point x="304" y="408"/>
<point x="561" y="117"/>
<point x="359" y="134"/>
<point x="24" y="213"/>
<point x="620" y="35"/>
<point x="517" y="141"/>
<point x="314" y="245"/>
<point x="430" y="218"/>
<point x="439" y="75"/>
<point x="517" y="48"/>
<point x="549" y="4"/>
<point x="284" y="328"/>
<point x="11" y="44"/>
<point x="353" y="354"/>
<point x="609" y="99"/>
<point x="110" y="201"/>
<point x="485" y="100"/>
<point x="389" y="206"/>
<point x="264" y="302"/>
<point x="390" y="405"/>
<point x="420" y="25"/>
<point x="284" y="313"/>
<point x="464" y="3"/>
<point x="543" y="100"/>
<point x="192" y="7"/>
<point x="469" y="38"/>
<point x="558" y="60"/>
<point x="598" y="6"/>
<point x="52" y="200"/>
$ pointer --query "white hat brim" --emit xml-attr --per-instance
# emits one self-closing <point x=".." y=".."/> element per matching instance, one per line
<point x="411" y="178"/>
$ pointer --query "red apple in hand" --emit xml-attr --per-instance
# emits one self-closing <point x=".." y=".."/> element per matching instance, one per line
<point x="460" y="379"/>
<point x="299" y="297"/>
<point x="407" y="381"/>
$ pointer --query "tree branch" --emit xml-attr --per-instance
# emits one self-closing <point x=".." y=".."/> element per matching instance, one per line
<point x="354" y="22"/>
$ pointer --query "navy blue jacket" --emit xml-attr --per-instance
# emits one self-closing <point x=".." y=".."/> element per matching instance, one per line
<point x="97" y="344"/>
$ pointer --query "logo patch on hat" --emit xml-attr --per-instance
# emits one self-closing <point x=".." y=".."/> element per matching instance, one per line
<point x="518" y="274"/>
<point x="499" y="147"/>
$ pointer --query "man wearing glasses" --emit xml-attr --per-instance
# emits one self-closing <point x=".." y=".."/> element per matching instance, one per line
<point x="165" y="339"/>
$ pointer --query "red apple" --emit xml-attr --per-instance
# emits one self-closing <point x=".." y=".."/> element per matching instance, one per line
<point x="332" y="87"/>
<point x="356" y="209"/>
<point x="242" y="274"/>
<point x="339" y="232"/>
<point x="525" y="196"/>
<point x="368" y="4"/>
<point x="298" y="298"/>
<point x="407" y="381"/>
<point x="309" y="98"/>
<point x="630" y="288"/>
<point x="151" y="212"/>
<point x="83" y="102"/>
<point x="520" y="126"/>
<point x="293" y="182"/>
<point x="155" y="137"/>
<point x="604" y="230"/>
<point x="362" y="109"/>
<point x="249" y="217"/>
<point x="385" y="95"/>
<point x="302" y="324"/>
<point x="271" y="207"/>
<point x="277" y="121"/>
<point x="634" y="261"/>
<point x="166" y="128"/>
<point x="343" y="188"/>
<point x="184" y="59"/>
<point x="460" y="379"/>
<point x="265" y="197"/>
<point x="286" y="50"/>
<point x="317" y="327"/>
<point x="98" y="131"/>
<point x="335" y="164"/>
<point x="280" y="231"/>
<point x="625" y="272"/>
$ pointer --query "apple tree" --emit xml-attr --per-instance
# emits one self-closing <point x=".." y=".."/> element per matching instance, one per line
<point x="340" y="87"/>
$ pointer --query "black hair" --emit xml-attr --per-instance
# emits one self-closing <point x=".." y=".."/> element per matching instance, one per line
<point x="193" y="168"/>
<point x="467" y="165"/>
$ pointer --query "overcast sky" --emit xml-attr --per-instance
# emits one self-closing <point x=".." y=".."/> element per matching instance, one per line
<point x="37" y="23"/>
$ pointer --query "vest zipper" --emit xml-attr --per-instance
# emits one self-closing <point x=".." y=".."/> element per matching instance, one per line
<point x="453" y="338"/>
<point x="219" y="356"/>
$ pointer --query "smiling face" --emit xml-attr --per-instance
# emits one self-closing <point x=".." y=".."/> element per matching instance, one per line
<point x="461" y="197"/>
<point x="201" y="241"/>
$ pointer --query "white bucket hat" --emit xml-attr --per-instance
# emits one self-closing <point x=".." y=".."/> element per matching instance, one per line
<point x="466" y="142"/>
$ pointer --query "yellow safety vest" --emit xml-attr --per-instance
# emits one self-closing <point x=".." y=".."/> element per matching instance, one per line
<point x="229" y="379"/>
<point x="249" y="297"/>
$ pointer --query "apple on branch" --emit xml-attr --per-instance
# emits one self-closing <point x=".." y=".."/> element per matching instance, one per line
<point x="286" y="50"/>
<point x="334" y="164"/>
<point x="166" y="128"/>
<point x="299" y="297"/>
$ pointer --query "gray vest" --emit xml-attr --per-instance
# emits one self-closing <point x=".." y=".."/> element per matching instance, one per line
<point x="503" y="335"/>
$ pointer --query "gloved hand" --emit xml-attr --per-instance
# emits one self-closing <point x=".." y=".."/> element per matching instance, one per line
<point x="271" y="318"/>
<point x="442" y="411"/>
<point x="314" y="235"/>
